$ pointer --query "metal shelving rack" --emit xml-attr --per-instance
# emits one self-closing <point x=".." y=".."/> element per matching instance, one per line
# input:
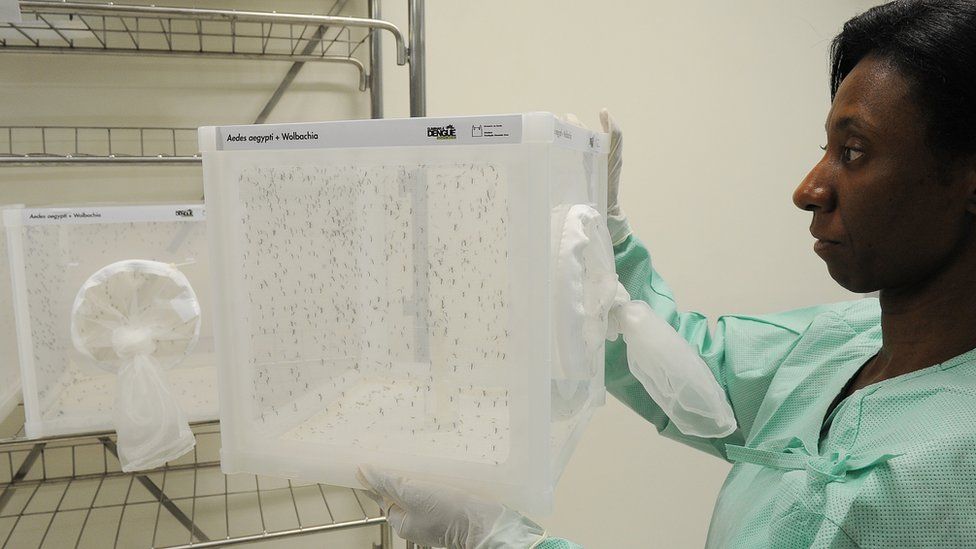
<point x="70" y="491"/>
<point x="83" y="28"/>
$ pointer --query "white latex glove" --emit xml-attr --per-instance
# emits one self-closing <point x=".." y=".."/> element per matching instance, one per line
<point x="440" y="516"/>
<point x="616" y="220"/>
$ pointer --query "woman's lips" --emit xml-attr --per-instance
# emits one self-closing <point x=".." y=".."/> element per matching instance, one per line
<point x="824" y="246"/>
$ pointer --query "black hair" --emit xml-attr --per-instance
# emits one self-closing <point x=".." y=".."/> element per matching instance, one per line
<point x="933" y="44"/>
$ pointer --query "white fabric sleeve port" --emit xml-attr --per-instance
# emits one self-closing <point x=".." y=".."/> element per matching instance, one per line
<point x="591" y="303"/>
<point x="671" y="371"/>
<point x="137" y="318"/>
<point x="586" y="283"/>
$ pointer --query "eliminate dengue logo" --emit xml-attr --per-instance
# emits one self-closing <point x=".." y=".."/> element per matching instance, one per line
<point x="442" y="132"/>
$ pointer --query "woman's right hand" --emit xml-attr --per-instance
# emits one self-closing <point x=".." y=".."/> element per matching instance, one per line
<point x="616" y="220"/>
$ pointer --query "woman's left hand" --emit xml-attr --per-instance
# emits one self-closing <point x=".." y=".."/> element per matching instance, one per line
<point x="440" y="516"/>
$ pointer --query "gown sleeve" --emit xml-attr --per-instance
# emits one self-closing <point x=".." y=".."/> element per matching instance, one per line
<point x="557" y="543"/>
<point x="743" y="352"/>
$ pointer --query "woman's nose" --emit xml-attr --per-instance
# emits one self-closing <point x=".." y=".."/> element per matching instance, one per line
<point x="816" y="191"/>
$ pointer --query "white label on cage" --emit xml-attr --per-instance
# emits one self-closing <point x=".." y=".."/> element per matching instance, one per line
<point x="113" y="214"/>
<point x="406" y="132"/>
<point x="9" y="11"/>
<point x="580" y="139"/>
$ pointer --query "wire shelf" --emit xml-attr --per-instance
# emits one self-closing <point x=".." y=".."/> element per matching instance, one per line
<point x="91" y="28"/>
<point x="71" y="492"/>
<point x="32" y="145"/>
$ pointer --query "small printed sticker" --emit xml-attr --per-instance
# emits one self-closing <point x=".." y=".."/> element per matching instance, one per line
<point x="490" y="130"/>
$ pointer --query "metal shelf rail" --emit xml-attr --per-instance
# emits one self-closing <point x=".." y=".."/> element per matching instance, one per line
<point x="70" y="492"/>
<point x="33" y="145"/>
<point x="87" y="28"/>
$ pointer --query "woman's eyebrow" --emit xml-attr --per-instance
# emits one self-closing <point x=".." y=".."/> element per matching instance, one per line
<point x="851" y="122"/>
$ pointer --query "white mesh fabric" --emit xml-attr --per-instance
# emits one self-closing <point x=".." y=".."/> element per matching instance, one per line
<point x="136" y="318"/>
<point x="671" y="371"/>
<point x="591" y="306"/>
<point x="586" y="283"/>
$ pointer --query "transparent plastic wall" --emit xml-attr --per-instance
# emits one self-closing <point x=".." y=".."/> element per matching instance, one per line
<point x="385" y="298"/>
<point x="9" y="368"/>
<point x="52" y="252"/>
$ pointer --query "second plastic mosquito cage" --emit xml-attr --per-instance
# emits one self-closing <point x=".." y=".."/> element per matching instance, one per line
<point x="386" y="295"/>
<point x="9" y="369"/>
<point x="52" y="252"/>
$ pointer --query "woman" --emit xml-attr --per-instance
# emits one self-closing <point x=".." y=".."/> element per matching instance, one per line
<point x="857" y="420"/>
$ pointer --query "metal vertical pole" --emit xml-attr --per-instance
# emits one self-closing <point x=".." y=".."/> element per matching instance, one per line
<point x="418" y="73"/>
<point x="415" y="185"/>
<point x="386" y="536"/>
<point x="375" y="65"/>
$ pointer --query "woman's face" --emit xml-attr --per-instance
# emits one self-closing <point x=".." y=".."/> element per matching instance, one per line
<point x="885" y="213"/>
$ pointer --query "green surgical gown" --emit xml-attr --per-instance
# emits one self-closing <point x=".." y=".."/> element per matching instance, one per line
<point x="896" y="465"/>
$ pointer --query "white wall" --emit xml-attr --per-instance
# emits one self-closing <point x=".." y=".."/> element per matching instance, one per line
<point x="722" y="104"/>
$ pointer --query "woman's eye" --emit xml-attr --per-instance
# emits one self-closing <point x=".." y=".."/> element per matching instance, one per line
<point x="851" y="155"/>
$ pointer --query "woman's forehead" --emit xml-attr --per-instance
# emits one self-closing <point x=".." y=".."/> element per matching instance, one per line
<point x="874" y="96"/>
